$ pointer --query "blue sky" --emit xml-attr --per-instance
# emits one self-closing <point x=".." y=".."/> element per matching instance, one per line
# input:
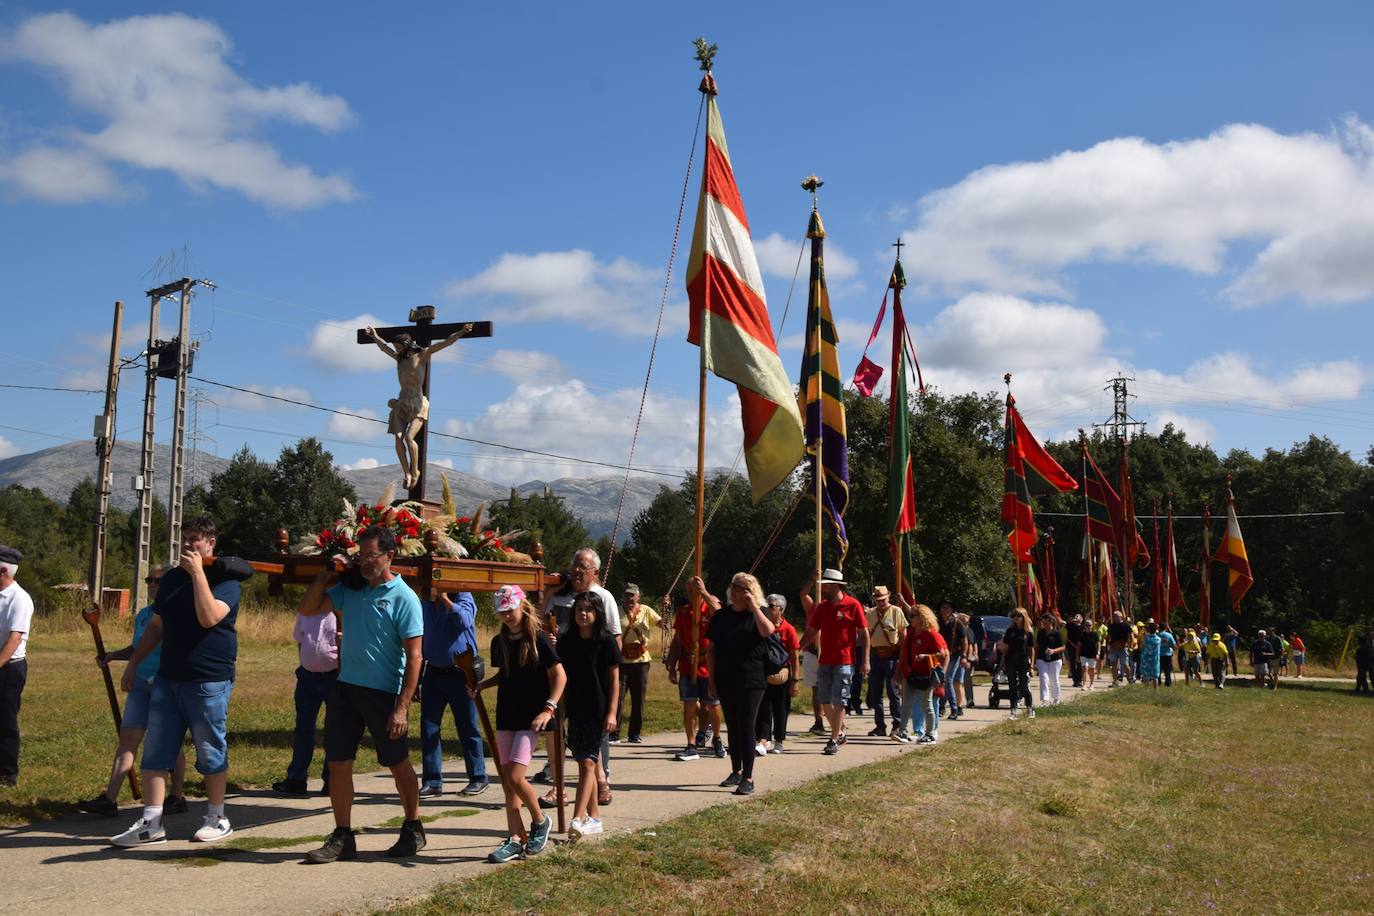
<point x="1181" y="191"/>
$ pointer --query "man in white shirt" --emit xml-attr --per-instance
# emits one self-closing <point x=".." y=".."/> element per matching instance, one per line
<point x="16" y="613"/>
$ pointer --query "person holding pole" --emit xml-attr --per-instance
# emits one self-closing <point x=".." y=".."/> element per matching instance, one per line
<point x="838" y="621"/>
<point x="379" y="669"/>
<point x="529" y="683"/>
<point x="16" y="614"/>
<point x="134" y="722"/>
<point x="450" y="630"/>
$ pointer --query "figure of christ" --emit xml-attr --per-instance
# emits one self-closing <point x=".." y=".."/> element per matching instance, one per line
<point x="410" y="409"/>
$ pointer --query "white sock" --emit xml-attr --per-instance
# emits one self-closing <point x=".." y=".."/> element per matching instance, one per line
<point x="153" y="815"/>
<point x="214" y="810"/>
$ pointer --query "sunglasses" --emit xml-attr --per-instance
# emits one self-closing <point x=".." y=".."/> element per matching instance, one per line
<point x="153" y="580"/>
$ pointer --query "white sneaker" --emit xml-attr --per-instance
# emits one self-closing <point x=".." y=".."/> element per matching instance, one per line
<point x="1030" y="713"/>
<point x="575" y="829"/>
<point x="760" y="750"/>
<point x="214" y="828"/>
<point x="1012" y="715"/>
<point x="590" y="826"/>
<point x="140" y="834"/>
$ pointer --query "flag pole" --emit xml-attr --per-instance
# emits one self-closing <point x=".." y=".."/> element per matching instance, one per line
<point x="1016" y="553"/>
<point x="1205" y="598"/>
<point x="816" y="234"/>
<point x="1128" y="539"/>
<point x="1087" y="536"/>
<point x="705" y="54"/>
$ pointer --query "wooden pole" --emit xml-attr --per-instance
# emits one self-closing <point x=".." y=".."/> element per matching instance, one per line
<point x="95" y="580"/>
<point x="463" y="661"/>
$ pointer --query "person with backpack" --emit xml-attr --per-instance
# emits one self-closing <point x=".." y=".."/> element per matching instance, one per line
<point x="735" y="659"/>
<point x="922" y="666"/>
<point x="782" y="682"/>
<point x="886" y="628"/>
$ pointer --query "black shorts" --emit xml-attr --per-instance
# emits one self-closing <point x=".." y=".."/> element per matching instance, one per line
<point x="351" y="708"/>
<point x="584" y="740"/>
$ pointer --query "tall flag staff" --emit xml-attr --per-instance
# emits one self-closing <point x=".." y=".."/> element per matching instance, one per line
<point x="1133" y="549"/>
<point x="1107" y="516"/>
<point x="729" y="322"/>
<point x="1029" y="471"/>
<point x="822" y="403"/>
<point x="1232" y="553"/>
<point x="1158" y="596"/>
<point x="901" y="485"/>
<point x="1204" y="612"/>
<point x="1173" y="592"/>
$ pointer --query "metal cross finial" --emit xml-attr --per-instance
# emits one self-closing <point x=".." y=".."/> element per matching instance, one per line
<point x="813" y="184"/>
<point x="898" y="245"/>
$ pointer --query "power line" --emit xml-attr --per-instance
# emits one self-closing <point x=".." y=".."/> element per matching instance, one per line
<point x="51" y="388"/>
<point x="489" y="444"/>
<point x="1214" y="517"/>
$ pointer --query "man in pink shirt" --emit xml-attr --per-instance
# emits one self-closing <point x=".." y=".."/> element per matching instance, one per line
<point x="839" y="622"/>
<point x="318" y="638"/>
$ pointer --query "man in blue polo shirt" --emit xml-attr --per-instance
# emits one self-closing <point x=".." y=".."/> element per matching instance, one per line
<point x="379" y="668"/>
<point x="450" y="629"/>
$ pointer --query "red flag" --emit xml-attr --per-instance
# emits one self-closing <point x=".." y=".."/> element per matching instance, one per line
<point x="1134" y="551"/>
<point x="1204" y="612"/>
<point x="1028" y="471"/>
<point x="1173" y="592"/>
<point x="1049" y="576"/>
<point x="867" y="374"/>
<point x="1106" y="512"/>
<point x="1157" y="594"/>
<point x="1232" y="553"/>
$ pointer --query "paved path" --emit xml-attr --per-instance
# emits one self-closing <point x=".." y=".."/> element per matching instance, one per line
<point x="67" y="866"/>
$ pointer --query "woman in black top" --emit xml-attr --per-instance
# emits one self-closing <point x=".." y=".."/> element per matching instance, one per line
<point x="735" y="663"/>
<point x="1017" y="645"/>
<point x="592" y="660"/>
<point x="1049" y="658"/>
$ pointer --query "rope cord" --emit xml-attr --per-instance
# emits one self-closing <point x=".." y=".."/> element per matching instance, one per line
<point x="777" y="532"/>
<point x="658" y="328"/>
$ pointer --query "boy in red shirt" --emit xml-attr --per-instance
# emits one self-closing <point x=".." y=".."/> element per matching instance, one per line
<point x="698" y="703"/>
<point x="838" y="621"/>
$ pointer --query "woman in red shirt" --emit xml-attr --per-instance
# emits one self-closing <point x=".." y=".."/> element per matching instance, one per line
<point x="924" y="652"/>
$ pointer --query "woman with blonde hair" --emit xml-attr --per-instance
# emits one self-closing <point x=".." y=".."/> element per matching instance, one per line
<point x="735" y="658"/>
<point x="923" y="658"/>
<point x="1017" y="646"/>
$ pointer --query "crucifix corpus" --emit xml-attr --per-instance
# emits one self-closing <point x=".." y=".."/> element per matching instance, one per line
<point x="412" y="346"/>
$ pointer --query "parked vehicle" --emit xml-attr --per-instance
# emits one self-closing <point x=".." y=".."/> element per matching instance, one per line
<point x="989" y="632"/>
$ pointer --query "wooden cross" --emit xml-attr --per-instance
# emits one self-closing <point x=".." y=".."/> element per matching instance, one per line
<point x="423" y="331"/>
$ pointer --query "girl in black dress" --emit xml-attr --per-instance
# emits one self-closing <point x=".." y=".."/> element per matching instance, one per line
<point x="592" y="660"/>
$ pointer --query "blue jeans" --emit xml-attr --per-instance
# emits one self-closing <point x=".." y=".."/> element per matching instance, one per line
<point x="448" y="690"/>
<point x="919" y="706"/>
<point x="201" y="706"/>
<point x="882" y="673"/>
<point x="312" y="689"/>
<point x="954" y="673"/>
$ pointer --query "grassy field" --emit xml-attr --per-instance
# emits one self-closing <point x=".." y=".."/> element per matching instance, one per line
<point x="1177" y="800"/>
<point x="69" y="737"/>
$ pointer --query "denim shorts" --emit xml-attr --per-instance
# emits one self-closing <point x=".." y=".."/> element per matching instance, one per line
<point x="832" y="684"/>
<point x="136" y="704"/>
<point x="696" y="688"/>
<point x="201" y="706"/>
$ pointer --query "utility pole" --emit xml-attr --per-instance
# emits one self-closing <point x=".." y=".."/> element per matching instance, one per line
<point x="1121" y="422"/>
<point x="166" y="359"/>
<point x="197" y="439"/>
<point x="104" y="449"/>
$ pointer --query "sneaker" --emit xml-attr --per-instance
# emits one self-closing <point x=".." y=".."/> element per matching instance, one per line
<point x="140" y="834"/>
<point x="101" y="805"/>
<point x="818" y="728"/>
<point x="879" y="732"/>
<point x="512" y="848"/>
<point x="718" y="746"/>
<point x="687" y="753"/>
<point x="613" y="739"/>
<point x="431" y="790"/>
<point x="927" y="739"/>
<point x="831" y="748"/>
<point x="539" y="836"/>
<point x="776" y="748"/>
<point x="636" y="739"/>
<point x="213" y="828"/>
<point x="970" y="705"/>
<point x="900" y="736"/>
<point x="760" y="750"/>
<point x="575" y="830"/>
<point x="1012" y="715"/>
<point x="701" y="737"/>
<point x="542" y="778"/>
<point x="745" y="787"/>
<point x="1030" y="713"/>
<point x="175" y="804"/>
<point x="842" y="739"/>
<point x="474" y="787"/>
<point x="339" y="846"/>
<point x="291" y="786"/>
<point x="592" y="826"/>
<point x="411" y="840"/>
<point x="730" y="781"/>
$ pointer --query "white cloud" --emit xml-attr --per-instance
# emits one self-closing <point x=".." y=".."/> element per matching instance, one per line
<point x="619" y="296"/>
<point x="521" y="365"/>
<point x="993" y="332"/>
<point x="1181" y="204"/>
<point x="778" y="256"/>
<point x="334" y="345"/>
<point x="1195" y="428"/>
<point x="571" y="419"/>
<point x="7" y="448"/>
<point x="356" y="428"/>
<point x="362" y="464"/>
<point x="241" y="400"/>
<point x="169" y="101"/>
<point x="442" y="462"/>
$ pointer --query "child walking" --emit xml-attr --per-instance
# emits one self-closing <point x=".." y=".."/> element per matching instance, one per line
<point x="529" y="683"/>
<point x="592" y="660"/>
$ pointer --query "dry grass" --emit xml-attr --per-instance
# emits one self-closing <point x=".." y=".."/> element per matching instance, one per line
<point x="1169" y="801"/>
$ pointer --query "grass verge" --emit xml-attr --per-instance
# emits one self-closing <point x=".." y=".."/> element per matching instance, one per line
<point x="1182" y="800"/>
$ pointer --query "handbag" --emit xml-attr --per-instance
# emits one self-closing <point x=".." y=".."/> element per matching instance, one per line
<point x="776" y="659"/>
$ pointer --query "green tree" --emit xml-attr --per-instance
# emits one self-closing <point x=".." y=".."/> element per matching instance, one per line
<point x="242" y="501"/>
<point x="307" y="489"/>
<point x="544" y="518"/>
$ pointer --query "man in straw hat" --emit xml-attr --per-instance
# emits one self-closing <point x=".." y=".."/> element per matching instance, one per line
<point x="838" y="621"/>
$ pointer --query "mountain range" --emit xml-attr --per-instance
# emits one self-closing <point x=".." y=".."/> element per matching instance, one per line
<point x="55" y="471"/>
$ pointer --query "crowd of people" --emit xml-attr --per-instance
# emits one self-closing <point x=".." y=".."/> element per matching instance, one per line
<point x="736" y="661"/>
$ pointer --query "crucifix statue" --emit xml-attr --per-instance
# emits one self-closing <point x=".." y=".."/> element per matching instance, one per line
<point x="412" y="346"/>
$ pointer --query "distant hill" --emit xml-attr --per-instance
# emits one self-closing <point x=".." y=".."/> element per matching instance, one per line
<point x="55" y="471"/>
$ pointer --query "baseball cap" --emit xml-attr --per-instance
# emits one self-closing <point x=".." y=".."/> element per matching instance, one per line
<point x="509" y="597"/>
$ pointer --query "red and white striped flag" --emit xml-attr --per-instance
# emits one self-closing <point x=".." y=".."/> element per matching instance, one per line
<point x="729" y="318"/>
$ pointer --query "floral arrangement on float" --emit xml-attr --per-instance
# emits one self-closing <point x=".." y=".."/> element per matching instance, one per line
<point x="464" y="536"/>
